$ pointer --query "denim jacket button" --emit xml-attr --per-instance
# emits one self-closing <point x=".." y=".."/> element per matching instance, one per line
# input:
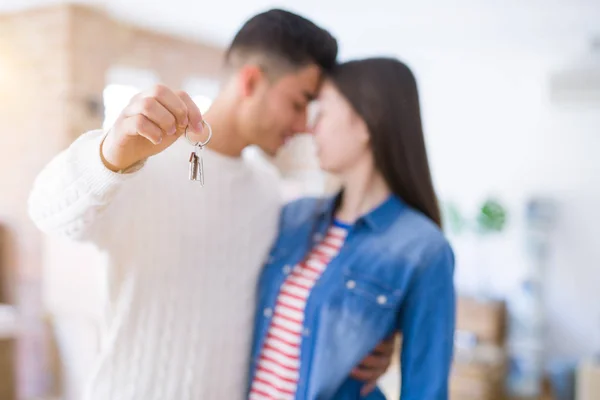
<point x="306" y="332"/>
<point x="382" y="299"/>
<point x="287" y="269"/>
<point x="351" y="284"/>
<point x="267" y="312"/>
<point x="317" y="237"/>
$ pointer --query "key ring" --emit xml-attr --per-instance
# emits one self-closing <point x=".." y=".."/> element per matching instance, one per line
<point x="196" y="171"/>
<point x="200" y="144"/>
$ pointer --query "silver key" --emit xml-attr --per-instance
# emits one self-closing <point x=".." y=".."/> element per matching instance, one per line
<point x="196" y="170"/>
<point x="193" y="174"/>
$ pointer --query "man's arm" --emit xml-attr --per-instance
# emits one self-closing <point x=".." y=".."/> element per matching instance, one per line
<point x="76" y="187"/>
<point x="375" y="365"/>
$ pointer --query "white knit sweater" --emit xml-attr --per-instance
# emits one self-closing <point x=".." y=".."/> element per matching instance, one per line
<point x="183" y="265"/>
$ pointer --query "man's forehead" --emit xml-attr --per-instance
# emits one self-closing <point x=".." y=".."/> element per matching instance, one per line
<point x="307" y="80"/>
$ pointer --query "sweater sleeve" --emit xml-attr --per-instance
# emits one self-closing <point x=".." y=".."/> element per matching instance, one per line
<point x="71" y="194"/>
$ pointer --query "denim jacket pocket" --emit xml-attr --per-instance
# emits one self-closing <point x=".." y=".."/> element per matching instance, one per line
<point x="374" y="291"/>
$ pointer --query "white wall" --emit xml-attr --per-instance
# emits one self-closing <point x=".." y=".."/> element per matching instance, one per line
<point x="573" y="281"/>
<point x="491" y="130"/>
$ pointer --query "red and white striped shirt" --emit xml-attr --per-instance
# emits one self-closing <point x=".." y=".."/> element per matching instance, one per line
<point x="278" y="368"/>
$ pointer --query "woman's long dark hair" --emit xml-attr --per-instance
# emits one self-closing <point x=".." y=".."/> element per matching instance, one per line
<point x="383" y="91"/>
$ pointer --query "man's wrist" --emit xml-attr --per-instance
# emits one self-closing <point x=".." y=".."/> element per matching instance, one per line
<point x="118" y="167"/>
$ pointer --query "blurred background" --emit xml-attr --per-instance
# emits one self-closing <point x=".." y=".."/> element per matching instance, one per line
<point x="510" y="93"/>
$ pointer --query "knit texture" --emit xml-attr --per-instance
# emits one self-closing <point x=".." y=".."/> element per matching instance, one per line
<point x="183" y="261"/>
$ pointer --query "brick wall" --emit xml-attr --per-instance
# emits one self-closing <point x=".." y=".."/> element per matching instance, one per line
<point x="53" y="63"/>
<point x="98" y="42"/>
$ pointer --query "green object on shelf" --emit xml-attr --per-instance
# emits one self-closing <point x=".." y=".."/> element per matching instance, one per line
<point x="491" y="217"/>
<point x="453" y="218"/>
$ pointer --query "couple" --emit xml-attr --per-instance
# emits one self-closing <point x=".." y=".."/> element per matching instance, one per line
<point x="217" y="293"/>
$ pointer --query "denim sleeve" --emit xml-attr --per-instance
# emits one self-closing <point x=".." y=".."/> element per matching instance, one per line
<point x="426" y="322"/>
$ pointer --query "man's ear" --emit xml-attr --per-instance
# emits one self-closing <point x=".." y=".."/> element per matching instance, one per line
<point x="250" y="78"/>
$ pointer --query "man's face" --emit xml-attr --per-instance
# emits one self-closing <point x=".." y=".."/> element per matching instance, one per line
<point x="276" y="110"/>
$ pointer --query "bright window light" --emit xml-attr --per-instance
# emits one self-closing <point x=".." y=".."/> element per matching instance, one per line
<point x="203" y="102"/>
<point x="116" y="98"/>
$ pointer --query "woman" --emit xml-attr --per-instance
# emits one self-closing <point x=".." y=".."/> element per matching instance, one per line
<point x="349" y="271"/>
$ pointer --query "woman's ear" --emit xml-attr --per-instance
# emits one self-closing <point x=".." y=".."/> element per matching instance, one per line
<point x="362" y="130"/>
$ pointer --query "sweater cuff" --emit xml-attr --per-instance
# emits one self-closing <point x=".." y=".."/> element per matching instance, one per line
<point x="98" y="178"/>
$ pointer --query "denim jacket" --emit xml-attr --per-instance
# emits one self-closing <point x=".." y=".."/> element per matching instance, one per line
<point x="393" y="274"/>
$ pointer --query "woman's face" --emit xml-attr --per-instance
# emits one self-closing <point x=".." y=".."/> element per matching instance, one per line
<point x="341" y="136"/>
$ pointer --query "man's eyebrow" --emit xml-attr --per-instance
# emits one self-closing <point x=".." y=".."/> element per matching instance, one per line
<point x="310" y="96"/>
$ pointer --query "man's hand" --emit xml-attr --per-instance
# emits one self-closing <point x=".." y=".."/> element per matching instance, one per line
<point x="151" y="122"/>
<point x="375" y="365"/>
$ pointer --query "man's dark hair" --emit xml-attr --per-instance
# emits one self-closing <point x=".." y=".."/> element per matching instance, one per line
<point x="280" y="41"/>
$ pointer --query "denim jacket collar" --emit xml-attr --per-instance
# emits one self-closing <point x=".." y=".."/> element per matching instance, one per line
<point x="377" y="219"/>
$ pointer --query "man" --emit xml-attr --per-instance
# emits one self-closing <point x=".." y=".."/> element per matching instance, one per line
<point x="184" y="260"/>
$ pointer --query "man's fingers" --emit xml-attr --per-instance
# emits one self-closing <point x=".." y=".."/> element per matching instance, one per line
<point x="153" y="114"/>
<point x="144" y="127"/>
<point x="154" y="111"/>
<point x="193" y="112"/>
<point x="171" y="102"/>
<point x="386" y="347"/>
<point x="171" y="111"/>
<point x="367" y="389"/>
<point x="375" y="361"/>
<point x="363" y="374"/>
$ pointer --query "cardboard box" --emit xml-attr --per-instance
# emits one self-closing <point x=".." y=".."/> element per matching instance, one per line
<point x="588" y="380"/>
<point x="8" y="389"/>
<point x="478" y="373"/>
<point x="8" y="348"/>
<point x="485" y="319"/>
<point x="475" y="381"/>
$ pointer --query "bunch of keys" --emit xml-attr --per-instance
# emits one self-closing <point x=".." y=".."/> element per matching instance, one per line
<point x="196" y="165"/>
